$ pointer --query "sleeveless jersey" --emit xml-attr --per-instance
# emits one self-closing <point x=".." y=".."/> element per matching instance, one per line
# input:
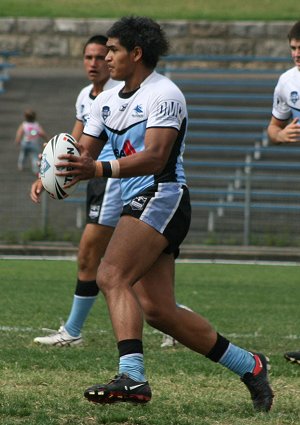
<point x="83" y="107"/>
<point x="286" y="100"/>
<point x="123" y="121"/>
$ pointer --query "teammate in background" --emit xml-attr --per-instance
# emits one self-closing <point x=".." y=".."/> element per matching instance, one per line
<point x="145" y="122"/>
<point x="284" y="126"/>
<point x="29" y="137"/>
<point x="103" y="205"/>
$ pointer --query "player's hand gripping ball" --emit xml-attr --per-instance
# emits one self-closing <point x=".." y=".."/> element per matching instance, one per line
<point x="60" y="144"/>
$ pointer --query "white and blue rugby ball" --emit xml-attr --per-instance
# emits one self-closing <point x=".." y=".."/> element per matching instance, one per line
<point x="60" y="144"/>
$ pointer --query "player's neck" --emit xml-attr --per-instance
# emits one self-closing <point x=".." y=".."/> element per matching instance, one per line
<point x="134" y="81"/>
<point x="98" y="87"/>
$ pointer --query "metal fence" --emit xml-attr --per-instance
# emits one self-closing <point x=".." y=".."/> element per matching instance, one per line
<point x="243" y="190"/>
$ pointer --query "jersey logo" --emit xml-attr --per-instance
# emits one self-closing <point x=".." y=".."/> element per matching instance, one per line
<point x="138" y="111"/>
<point x="123" y="107"/>
<point x="169" y="108"/>
<point x="128" y="148"/>
<point x="105" y="112"/>
<point x="294" y="96"/>
<point x="138" y="203"/>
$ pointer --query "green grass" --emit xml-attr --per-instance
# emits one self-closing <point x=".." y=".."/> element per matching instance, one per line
<point x="255" y="306"/>
<point x="168" y="9"/>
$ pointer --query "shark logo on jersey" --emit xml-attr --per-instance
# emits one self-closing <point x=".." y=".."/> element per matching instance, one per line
<point x="123" y="107"/>
<point x="294" y="96"/>
<point x="138" y="111"/>
<point x="105" y="112"/>
<point x="138" y="203"/>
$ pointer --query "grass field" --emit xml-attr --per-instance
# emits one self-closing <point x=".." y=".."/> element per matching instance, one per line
<point x="255" y="306"/>
<point x="168" y="9"/>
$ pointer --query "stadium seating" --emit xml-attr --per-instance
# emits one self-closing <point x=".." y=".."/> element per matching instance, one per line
<point x="6" y="66"/>
<point x="236" y="178"/>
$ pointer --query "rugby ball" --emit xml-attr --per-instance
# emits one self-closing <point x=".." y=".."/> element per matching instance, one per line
<point x="60" y="144"/>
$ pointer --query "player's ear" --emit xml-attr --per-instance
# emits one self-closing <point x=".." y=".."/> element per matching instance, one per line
<point x="137" y="53"/>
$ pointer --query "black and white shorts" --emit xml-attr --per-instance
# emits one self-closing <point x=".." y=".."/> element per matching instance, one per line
<point x="166" y="207"/>
<point x="103" y="201"/>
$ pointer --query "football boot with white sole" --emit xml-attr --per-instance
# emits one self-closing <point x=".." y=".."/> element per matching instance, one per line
<point x="60" y="338"/>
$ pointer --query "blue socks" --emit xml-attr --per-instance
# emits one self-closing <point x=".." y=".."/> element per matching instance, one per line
<point x="80" y="309"/>
<point x="131" y="359"/>
<point x="133" y="365"/>
<point x="238" y="360"/>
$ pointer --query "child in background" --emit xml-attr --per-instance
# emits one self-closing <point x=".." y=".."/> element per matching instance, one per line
<point x="29" y="136"/>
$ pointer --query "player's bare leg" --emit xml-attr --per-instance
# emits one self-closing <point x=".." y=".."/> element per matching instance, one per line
<point x="135" y="251"/>
<point x="156" y="294"/>
<point x="92" y="246"/>
<point x="93" y="243"/>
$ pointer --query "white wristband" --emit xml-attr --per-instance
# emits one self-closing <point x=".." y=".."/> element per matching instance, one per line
<point x="115" y="168"/>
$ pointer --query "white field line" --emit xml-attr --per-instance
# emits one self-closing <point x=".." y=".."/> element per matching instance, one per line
<point x="180" y="261"/>
<point x="20" y="329"/>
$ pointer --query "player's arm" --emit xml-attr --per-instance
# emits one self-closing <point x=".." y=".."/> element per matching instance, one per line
<point x="281" y="131"/>
<point x="152" y="160"/>
<point x="77" y="130"/>
<point x="36" y="190"/>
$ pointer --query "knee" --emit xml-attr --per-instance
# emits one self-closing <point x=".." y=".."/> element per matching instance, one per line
<point x="82" y="263"/>
<point x="108" y="278"/>
<point x="155" y="316"/>
<point x="87" y="260"/>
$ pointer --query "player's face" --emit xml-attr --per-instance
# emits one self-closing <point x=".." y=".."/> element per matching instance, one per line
<point x="94" y="63"/>
<point x="121" y="63"/>
<point x="295" y="51"/>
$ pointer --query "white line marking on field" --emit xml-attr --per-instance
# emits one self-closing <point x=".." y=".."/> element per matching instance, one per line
<point x="241" y="262"/>
<point x="39" y="257"/>
<point x="20" y="329"/>
<point x="180" y="261"/>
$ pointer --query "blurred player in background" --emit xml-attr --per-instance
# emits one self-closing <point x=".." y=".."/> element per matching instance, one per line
<point x="284" y="126"/>
<point x="145" y="121"/>
<point x="103" y="205"/>
<point x="29" y="137"/>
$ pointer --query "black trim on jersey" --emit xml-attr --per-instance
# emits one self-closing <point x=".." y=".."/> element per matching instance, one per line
<point x="169" y="172"/>
<point x="294" y="109"/>
<point x="120" y="132"/>
<point x="91" y="95"/>
<point x="127" y="95"/>
<point x="280" y="119"/>
<point x="103" y="136"/>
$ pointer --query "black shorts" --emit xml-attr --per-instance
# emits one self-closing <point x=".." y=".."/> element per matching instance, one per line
<point x="103" y="201"/>
<point x="166" y="207"/>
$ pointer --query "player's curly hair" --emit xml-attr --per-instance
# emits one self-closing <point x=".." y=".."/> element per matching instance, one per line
<point x="294" y="32"/>
<point x="141" y="32"/>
